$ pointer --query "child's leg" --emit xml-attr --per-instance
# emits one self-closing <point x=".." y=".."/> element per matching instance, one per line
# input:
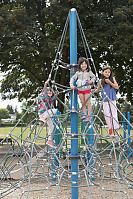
<point x="48" y="113"/>
<point x="106" y="110"/>
<point x="82" y="99"/>
<point x="51" y="128"/>
<point x="46" y="117"/>
<point x="50" y="121"/>
<point x="115" y="123"/>
<point x="88" y="104"/>
<point x="52" y="112"/>
<point x="41" y="118"/>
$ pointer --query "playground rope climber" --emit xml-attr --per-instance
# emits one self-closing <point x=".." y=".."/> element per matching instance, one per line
<point x="104" y="162"/>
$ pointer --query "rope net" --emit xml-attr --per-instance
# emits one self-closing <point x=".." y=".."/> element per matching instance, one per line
<point x="29" y="168"/>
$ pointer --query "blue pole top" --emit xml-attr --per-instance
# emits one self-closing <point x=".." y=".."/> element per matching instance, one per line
<point x="73" y="9"/>
<point x="73" y="37"/>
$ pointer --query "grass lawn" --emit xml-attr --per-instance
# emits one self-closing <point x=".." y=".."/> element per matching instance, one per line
<point x="4" y="131"/>
<point x="104" y="133"/>
<point x="24" y="132"/>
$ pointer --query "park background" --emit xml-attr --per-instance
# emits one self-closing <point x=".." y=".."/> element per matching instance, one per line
<point x="30" y="32"/>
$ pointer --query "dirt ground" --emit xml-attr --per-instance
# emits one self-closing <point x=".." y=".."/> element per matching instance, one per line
<point x="38" y="187"/>
<point x="25" y="178"/>
<point x="93" y="192"/>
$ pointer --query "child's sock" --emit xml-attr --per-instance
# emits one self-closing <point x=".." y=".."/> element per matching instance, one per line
<point x="49" y="143"/>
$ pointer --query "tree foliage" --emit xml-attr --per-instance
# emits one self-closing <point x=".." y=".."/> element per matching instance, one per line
<point x="30" y="34"/>
<point x="125" y="108"/>
<point x="4" y="113"/>
<point x="10" y="109"/>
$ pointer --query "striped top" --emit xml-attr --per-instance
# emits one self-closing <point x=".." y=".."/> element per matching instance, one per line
<point x="45" y="102"/>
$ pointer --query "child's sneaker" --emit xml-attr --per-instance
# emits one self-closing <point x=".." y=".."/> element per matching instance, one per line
<point x="86" y="118"/>
<point x="50" y="144"/>
<point x="41" y="123"/>
<point x="111" y="133"/>
<point x="115" y="133"/>
<point x="42" y="120"/>
<point x="83" y="117"/>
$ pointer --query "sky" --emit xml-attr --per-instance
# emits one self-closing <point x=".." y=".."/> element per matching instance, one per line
<point x="14" y="103"/>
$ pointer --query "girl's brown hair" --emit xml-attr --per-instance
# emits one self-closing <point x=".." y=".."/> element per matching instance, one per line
<point x="81" y="60"/>
<point x="103" y="77"/>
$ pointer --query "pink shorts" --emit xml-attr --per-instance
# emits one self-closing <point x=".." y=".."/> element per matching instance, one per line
<point x="84" y="92"/>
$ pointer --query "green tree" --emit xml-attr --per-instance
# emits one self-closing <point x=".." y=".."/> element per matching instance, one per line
<point x="127" y="107"/>
<point x="10" y="109"/>
<point x="31" y="113"/>
<point x="31" y="30"/>
<point x="4" y="113"/>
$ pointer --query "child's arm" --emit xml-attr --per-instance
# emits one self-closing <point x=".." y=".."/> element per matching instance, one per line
<point x="73" y="78"/>
<point x="46" y="83"/>
<point x="45" y="87"/>
<point x="98" y="87"/>
<point x="92" y="78"/>
<point x="114" y="85"/>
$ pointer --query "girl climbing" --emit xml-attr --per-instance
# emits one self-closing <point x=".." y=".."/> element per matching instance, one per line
<point x="84" y="78"/>
<point x="108" y="87"/>
<point x="46" y="110"/>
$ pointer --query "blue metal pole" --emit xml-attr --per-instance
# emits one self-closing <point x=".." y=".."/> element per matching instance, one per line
<point x="129" y="138"/>
<point x="74" y="105"/>
<point x="124" y="131"/>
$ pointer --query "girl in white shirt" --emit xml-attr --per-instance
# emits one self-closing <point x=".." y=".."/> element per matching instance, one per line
<point x="84" y="78"/>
